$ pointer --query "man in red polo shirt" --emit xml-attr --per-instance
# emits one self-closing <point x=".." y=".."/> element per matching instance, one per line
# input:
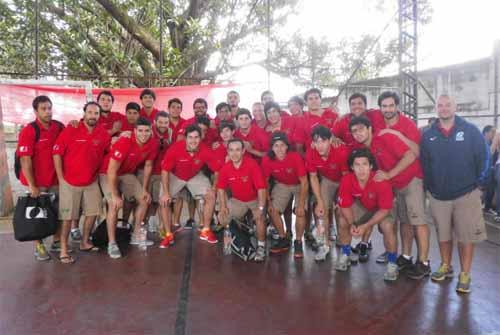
<point x="233" y="100"/>
<point x="111" y="121"/>
<point x="182" y="168"/>
<point x="364" y="203"/>
<point x="285" y="124"/>
<point x="255" y="139"/>
<point x="132" y="114"/>
<point x="176" y="121"/>
<point x="117" y="179"/>
<point x="37" y="166"/>
<point x="148" y="110"/>
<point x="290" y="176"/>
<point x="78" y="154"/>
<point x="226" y="133"/>
<point x="296" y="106"/>
<point x="401" y="167"/>
<point x="223" y="113"/>
<point x="329" y="163"/>
<point x="259" y="117"/>
<point x="243" y="177"/>
<point x="314" y="116"/>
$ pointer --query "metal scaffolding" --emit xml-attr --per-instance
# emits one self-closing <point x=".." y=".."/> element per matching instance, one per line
<point x="408" y="42"/>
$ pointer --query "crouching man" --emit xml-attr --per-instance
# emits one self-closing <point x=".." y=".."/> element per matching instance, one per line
<point x="363" y="204"/>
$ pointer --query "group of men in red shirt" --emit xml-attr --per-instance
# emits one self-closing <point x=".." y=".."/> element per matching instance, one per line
<point x="341" y="170"/>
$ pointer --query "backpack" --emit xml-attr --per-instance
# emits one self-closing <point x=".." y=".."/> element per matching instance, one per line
<point x="244" y="243"/>
<point x="17" y="160"/>
<point x="123" y="235"/>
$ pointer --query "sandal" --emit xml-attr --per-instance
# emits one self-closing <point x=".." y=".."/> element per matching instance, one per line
<point x="66" y="260"/>
<point x="91" y="249"/>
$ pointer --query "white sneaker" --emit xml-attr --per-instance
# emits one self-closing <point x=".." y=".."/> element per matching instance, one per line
<point x="322" y="252"/>
<point x="392" y="272"/>
<point x="343" y="263"/>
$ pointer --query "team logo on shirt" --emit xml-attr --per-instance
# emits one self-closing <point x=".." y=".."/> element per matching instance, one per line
<point x="289" y="170"/>
<point x="371" y="195"/>
<point x="197" y="161"/>
<point x="23" y="149"/>
<point x="244" y="179"/>
<point x="460" y="136"/>
<point x="56" y="147"/>
<point x="96" y="141"/>
<point x="333" y="166"/>
<point x="117" y="154"/>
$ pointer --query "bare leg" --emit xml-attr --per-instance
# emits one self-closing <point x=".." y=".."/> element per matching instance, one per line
<point x="88" y="224"/>
<point x="466" y="253"/>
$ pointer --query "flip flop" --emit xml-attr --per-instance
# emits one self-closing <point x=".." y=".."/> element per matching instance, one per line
<point x="66" y="260"/>
<point x="91" y="249"/>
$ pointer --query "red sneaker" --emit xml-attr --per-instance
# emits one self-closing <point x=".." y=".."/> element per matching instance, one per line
<point x="167" y="241"/>
<point x="208" y="235"/>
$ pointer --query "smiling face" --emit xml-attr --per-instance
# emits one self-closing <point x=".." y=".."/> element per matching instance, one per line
<point x="233" y="99"/>
<point x="258" y="112"/>
<point x="91" y="115"/>
<point x="389" y="108"/>
<point x="226" y="134"/>
<point x="362" y="168"/>
<point x="313" y="101"/>
<point x="162" y="124"/>
<point x="43" y="112"/>
<point x="280" y="149"/>
<point x="142" y="133"/>
<point x="322" y="145"/>
<point x="361" y="133"/>
<point x="200" y="109"/>
<point x="244" y="121"/>
<point x="235" y="151"/>
<point x="106" y="103"/>
<point x="295" y="108"/>
<point x="147" y="101"/>
<point x="357" y="106"/>
<point x="175" y="109"/>
<point x="446" y="107"/>
<point x="132" y="115"/>
<point x="193" y="140"/>
<point x="274" y="116"/>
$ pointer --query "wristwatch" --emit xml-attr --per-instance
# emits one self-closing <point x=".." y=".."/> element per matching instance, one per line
<point x="261" y="208"/>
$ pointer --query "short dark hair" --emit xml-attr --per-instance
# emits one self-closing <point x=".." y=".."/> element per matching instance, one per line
<point x="174" y="100"/>
<point x="147" y="91"/>
<point x="200" y="101"/>
<point x="203" y="119"/>
<point x="386" y="95"/>
<point x="221" y="105"/>
<point x="192" y="128"/>
<point x="236" y="140"/>
<point x="358" y="96"/>
<point x="266" y="92"/>
<point x="363" y="120"/>
<point x="142" y="121"/>
<point x="92" y="103"/>
<point x="487" y="129"/>
<point x="106" y="92"/>
<point x="270" y="105"/>
<point x="364" y="152"/>
<point x="297" y="100"/>
<point x="233" y="92"/>
<point x="243" y="111"/>
<point x="311" y="91"/>
<point x="40" y="99"/>
<point x="226" y="124"/>
<point x="161" y="114"/>
<point x="321" y="132"/>
<point x="133" y="105"/>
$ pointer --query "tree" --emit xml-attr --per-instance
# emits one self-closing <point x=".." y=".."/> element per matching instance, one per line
<point x="118" y="42"/>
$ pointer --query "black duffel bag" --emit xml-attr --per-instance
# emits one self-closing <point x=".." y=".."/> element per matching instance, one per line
<point x="243" y="242"/>
<point x="123" y="235"/>
<point x="35" y="218"/>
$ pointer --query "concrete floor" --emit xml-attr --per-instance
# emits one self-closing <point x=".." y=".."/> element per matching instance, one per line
<point x="192" y="288"/>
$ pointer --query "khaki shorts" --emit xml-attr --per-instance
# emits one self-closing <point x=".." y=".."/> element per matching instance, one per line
<point x="154" y="185"/>
<point x="362" y="215"/>
<point x="462" y="216"/>
<point x="72" y="199"/>
<point x="281" y="195"/>
<point x="198" y="186"/>
<point x="128" y="185"/>
<point x="410" y="203"/>
<point x="238" y="209"/>
<point x="328" y="191"/>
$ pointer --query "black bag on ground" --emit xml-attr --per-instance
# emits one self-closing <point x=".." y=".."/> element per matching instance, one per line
<point x="123" y="235"/>
<point x="243" y="244"/>
<point x="35" y="218"/>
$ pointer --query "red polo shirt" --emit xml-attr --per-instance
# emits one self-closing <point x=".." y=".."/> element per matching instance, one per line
<point x="107" y="121"/>
<point x="164" y="144"/>
<point x="288" y="126"/>
<point x="287" y="171"/>
<point x="177" y="129"/>
<point x="388" y="150"/>
<point x="150" y="117"/>
<point x="128" y="152"/>
<point x="82" y="153"/>
<point x="211" y="135"/>
<point x="184" y="165"/>
<point x="244" y="182"/>
<point x="374" y="196"/>
<point x="309" y="121"/>
<point x="257" y="138"/>
<point x="40" y="152"/>
<point x="341" y="127"/>
<point x="333" y="167"/>
<point x="127" y="126"/>
<point x="406" y="127"/>
<point x="220" y="154"/>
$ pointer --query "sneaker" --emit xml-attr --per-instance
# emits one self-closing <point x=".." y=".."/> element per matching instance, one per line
<point x="114" y="251"/>
<point x="208" y="235"/>
<point x="382" y="258"/>
<point x="418" y="271"/>
<point x="490" y="211"/>
<point x="444" y="271"/>
<point x="363" y="253"/>
<point x="370" y="246"/>
<point x="167" y="241"/>
<point x="189" y="224"/>
<point x="333" y="233"/>
<point x="298" y="250"/>
<point x="392" y="272"/>
<point x="463" y="285"/>
<point x="281" y="245"/>
<point x="41" y="253"/>
<point x="343" y="262"/>
<point x="309" y="238"/>
<point x="354" y="258"/>
<point x="76" y="235"/>
<point x="322" y="252"/>
<point x="403" y="263"/>
<point x="135" y="241"/>
<point x="260" y="255"/>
